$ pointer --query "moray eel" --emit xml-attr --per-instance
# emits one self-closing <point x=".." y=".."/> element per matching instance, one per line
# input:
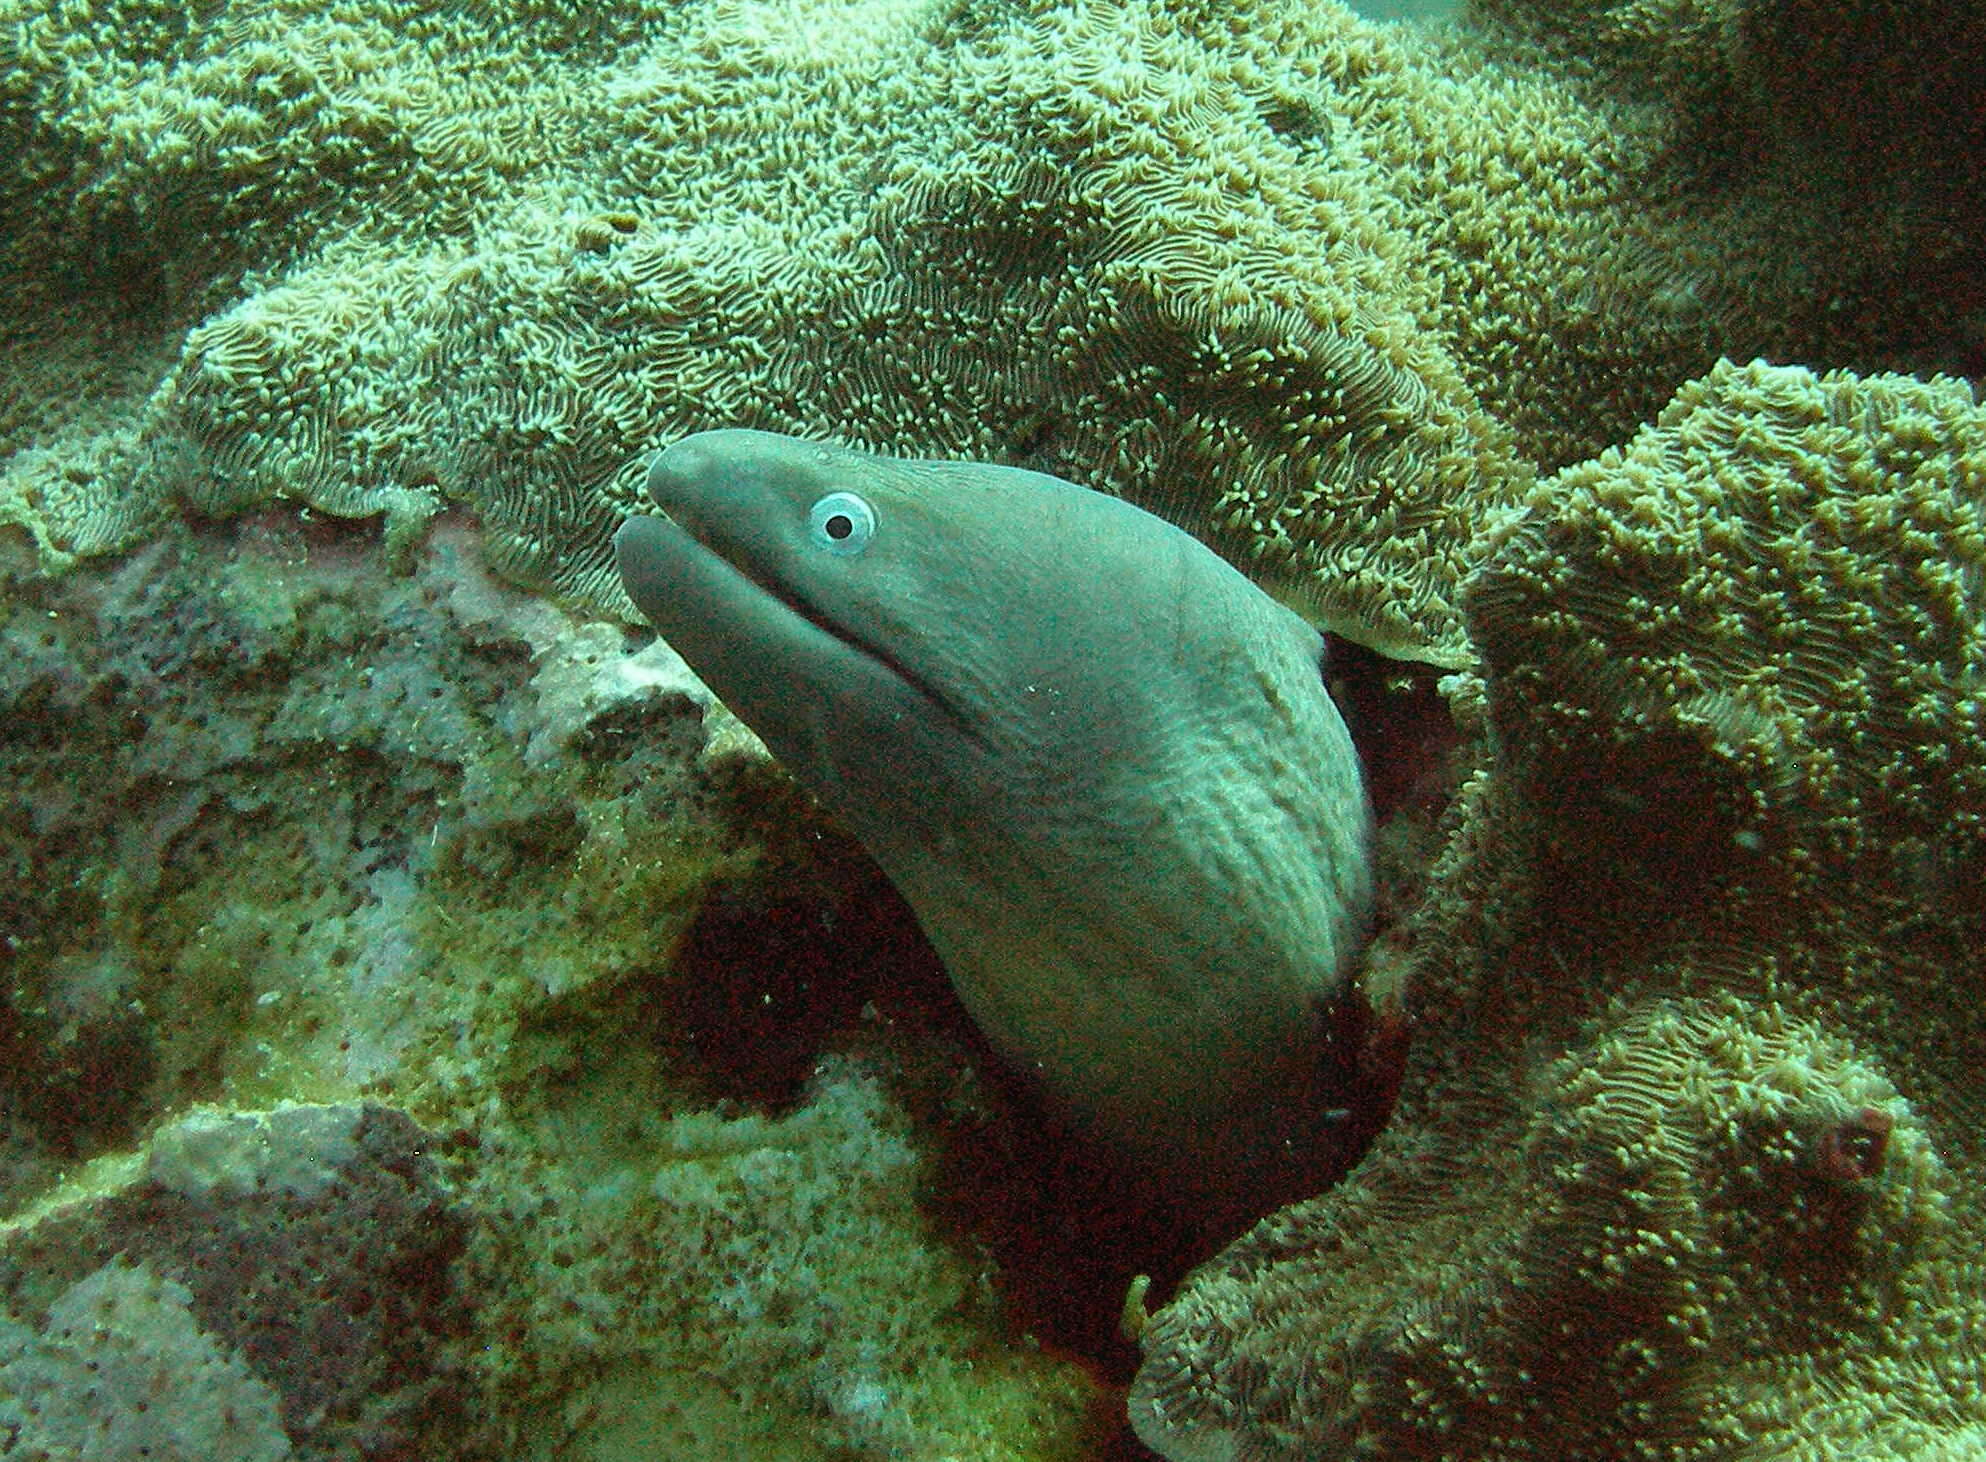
<point x="1098" y="762"/>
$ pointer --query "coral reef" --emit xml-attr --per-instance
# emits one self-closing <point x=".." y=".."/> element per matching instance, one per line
<point x="1320" y="291"/>
<point x="304" y="811"/>
<point x="1831" y="143"/>
<point x="265" y="1285"/>
<point x="1694" y="969"/>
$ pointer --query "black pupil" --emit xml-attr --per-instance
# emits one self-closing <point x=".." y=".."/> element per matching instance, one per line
<point x="839" y="526"/>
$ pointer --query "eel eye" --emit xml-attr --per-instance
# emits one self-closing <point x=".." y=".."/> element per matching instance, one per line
<point x="841" y="522"/>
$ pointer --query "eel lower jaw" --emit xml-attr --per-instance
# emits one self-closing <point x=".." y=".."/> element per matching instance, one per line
<point x="856" y="645"/>
<point x="729" y="588"/>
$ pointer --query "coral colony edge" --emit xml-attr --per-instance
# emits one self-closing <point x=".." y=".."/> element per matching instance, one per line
<point x="432" y="1023"/>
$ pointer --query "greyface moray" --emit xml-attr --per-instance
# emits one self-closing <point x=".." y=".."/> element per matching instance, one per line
<point x="1099" y="763"/>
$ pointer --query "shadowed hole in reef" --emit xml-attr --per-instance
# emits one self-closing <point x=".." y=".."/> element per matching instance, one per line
<point x="1399" y="723"/>
<point x="770" y="980"/>
<point x="817" y="954"/>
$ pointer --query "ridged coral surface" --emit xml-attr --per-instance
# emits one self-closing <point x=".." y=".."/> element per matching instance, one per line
<point x="334" y="340"/>
<point x="1319" y="290"/>
<point x="1688" y="1164"/>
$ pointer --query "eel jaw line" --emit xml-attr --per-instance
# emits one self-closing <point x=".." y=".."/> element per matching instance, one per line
<point x="804" y="611"/>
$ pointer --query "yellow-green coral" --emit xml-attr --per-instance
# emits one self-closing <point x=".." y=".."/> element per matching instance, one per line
<point x="1320" y="291"/>
<point x="1686" y="1163"/>
<point x="1317" y="289"/>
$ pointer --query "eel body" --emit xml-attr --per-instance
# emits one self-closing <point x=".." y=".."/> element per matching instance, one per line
<point x="1099" y="763"/>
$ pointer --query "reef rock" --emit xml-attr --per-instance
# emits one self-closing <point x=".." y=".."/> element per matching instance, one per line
<point x="302" y="842"/>
<point x="264" y="1285"/>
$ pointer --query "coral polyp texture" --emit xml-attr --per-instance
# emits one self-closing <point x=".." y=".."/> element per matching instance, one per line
<point x="1319" y="290"/>
<point x="1687" y="1164"/>
<point x="334" y="343"/>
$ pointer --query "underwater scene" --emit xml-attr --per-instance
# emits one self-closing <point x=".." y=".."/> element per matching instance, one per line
<point x="992" y="731"/>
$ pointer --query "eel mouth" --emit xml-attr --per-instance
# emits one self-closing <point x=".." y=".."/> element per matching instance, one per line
<point x="800" y="607"/>
<point x="661" y="557"/>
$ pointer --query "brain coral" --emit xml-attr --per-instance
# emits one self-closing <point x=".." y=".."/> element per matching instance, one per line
<point x="1322" y="291"/>
<point x="1687" y="1164"/>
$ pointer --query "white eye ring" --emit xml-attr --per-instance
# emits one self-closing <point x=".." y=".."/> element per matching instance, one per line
<point x="842" y="523"/>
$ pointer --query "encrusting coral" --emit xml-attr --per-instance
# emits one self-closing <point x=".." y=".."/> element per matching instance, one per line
<point x="1687" y="1162"/>
<point x="1687" y="986"/>
<point x="1318" y="290"/>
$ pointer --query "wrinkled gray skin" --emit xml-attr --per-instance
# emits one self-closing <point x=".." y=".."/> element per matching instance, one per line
<point x="1098" y="762"/>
